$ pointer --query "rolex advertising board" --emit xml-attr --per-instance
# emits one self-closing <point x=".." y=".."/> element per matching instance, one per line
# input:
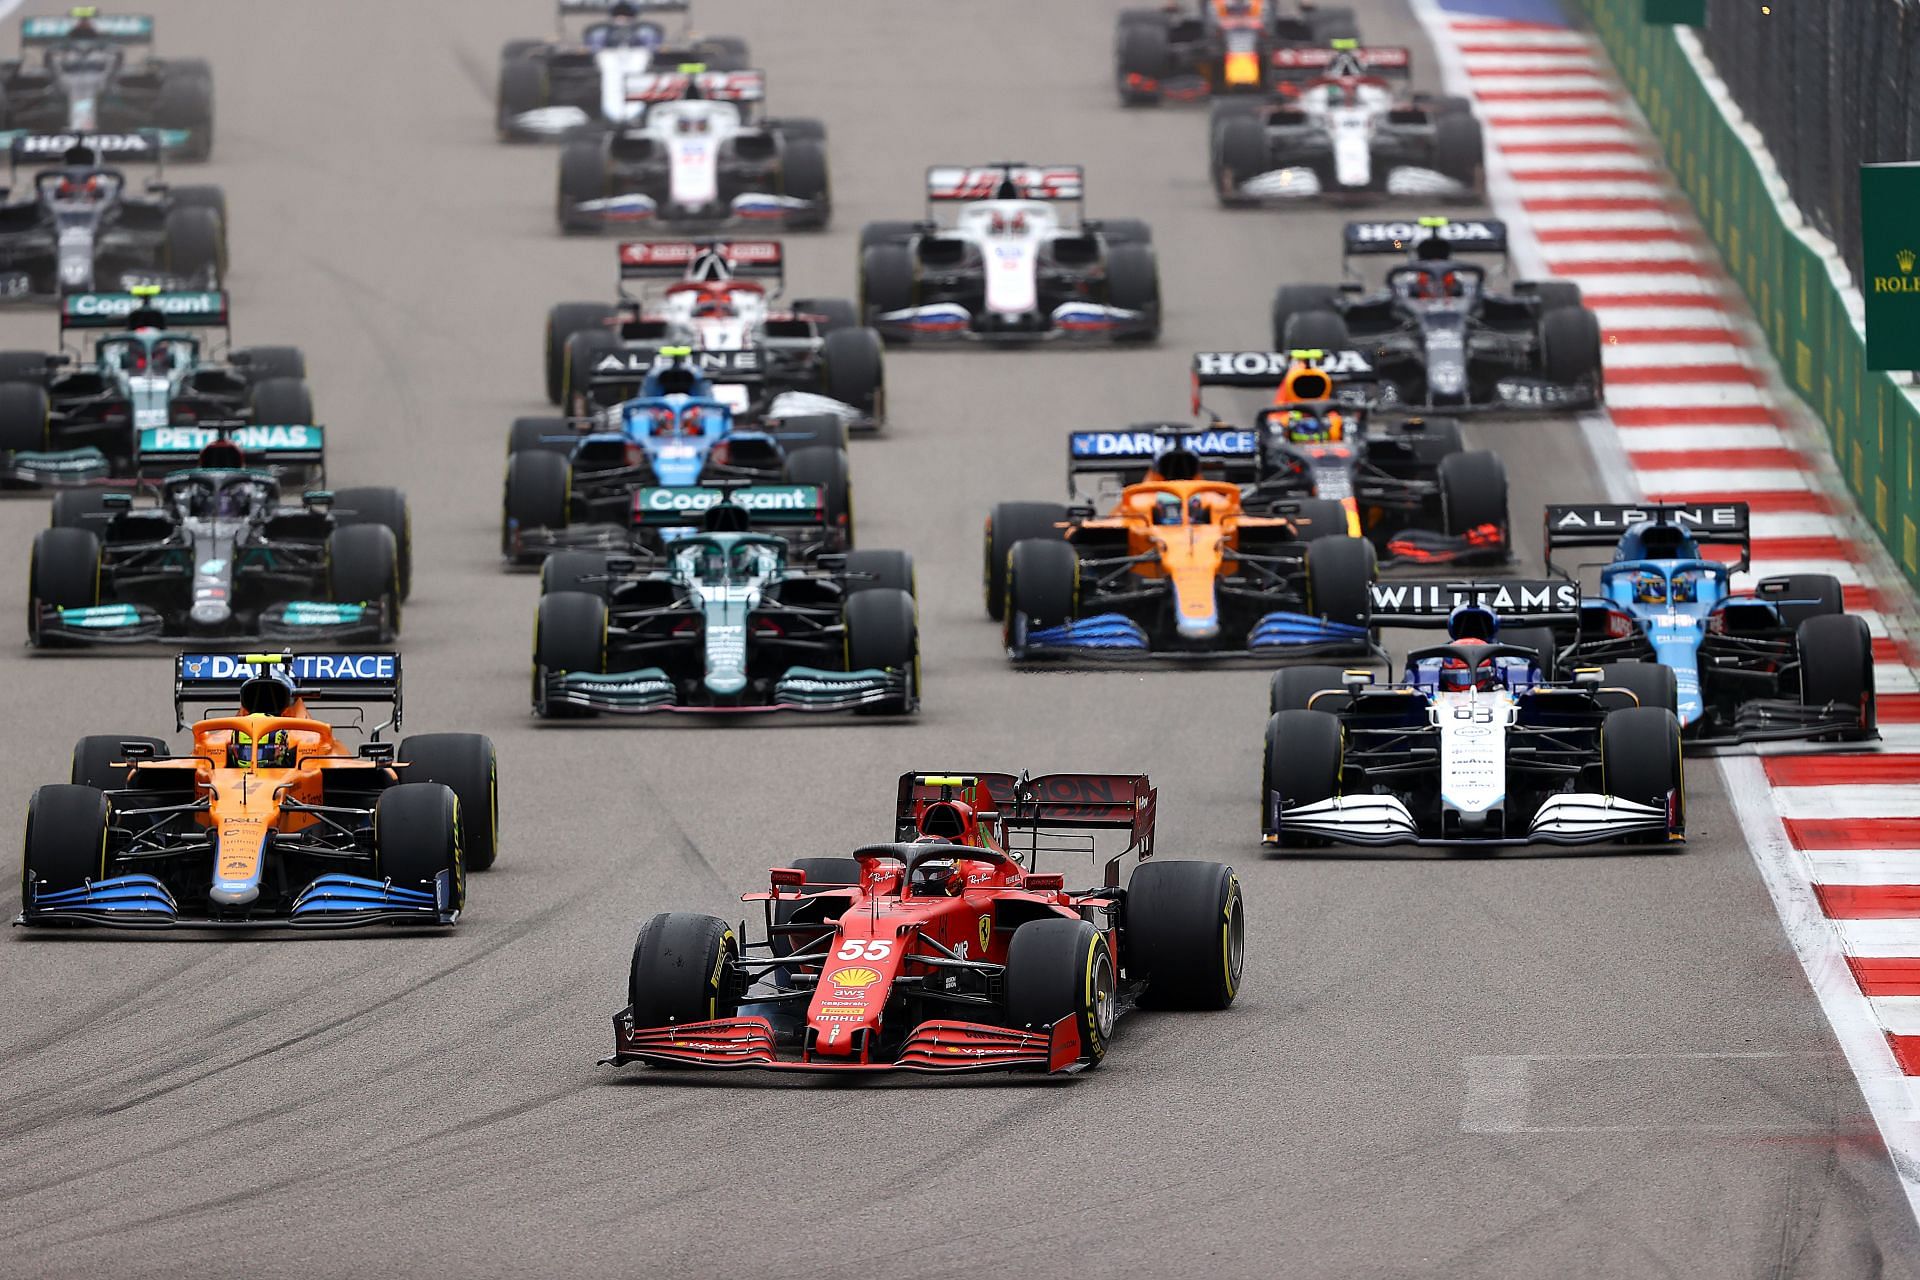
<point x="1890" y="263"/>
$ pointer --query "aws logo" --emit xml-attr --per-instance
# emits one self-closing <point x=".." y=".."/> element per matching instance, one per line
<point x="1906" y="281"/>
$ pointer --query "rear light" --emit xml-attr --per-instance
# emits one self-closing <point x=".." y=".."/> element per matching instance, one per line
<point x="1051" y="882"/>
<point x="787" y="878"/>
<point x="721" y="453"/>
<point x="636" y="454"/>
<point x="1619" y="625"/>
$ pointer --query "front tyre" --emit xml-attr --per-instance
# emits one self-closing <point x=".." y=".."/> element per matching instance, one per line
<point x="685" y="968"/>
<point x="1061" y="969"/>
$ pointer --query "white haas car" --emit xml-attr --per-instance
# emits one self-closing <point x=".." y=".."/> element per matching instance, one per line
<point x="1346" y="128"/>
<point x="696" y="157"/>
<point x="1473" y="746"/>
<point x="810" y="356"/>
<point x="549" y="89"/>
<point x="1014" y="263"/>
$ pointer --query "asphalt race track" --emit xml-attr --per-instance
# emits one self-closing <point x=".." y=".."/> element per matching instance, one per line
<point x="1588" y="1065"/>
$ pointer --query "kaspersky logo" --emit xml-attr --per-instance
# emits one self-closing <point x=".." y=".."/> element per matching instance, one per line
<point x="1906" y="281"/>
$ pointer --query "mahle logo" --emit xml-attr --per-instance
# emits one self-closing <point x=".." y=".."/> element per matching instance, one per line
<point x="1906" y="281"/>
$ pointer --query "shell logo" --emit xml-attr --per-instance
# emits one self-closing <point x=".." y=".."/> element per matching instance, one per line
<point x="854" y="977"/>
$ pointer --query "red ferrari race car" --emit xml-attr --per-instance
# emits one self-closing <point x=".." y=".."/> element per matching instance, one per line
<point x="946" y="950"/>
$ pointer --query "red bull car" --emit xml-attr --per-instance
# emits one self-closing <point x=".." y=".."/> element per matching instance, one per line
<point x="946" y="950"/>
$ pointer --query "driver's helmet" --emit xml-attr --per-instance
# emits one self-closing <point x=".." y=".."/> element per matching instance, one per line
<point x="234" y="502"/>
<point x="1436" y="282"/>
<point x="1008" y="224"/>
<point x="1199" y="510"/>
<point x="936" y="877"/>
<point x="1166" y="508"/>
<point x="269" y="694"/>
<point x="271" y="750"/>
<point x="1459" y="675"/>
<point x="667" y="423"/>
<point x="1685" y="588"/>
<point x="1305" y="427"/>
<point x="1338" y="95"/>
<point x="1649" y="587"/>
<point x="79" y="186"/>
<point x="713" y="304"/>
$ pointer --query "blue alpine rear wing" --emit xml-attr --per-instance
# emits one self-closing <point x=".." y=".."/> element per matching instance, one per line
<point x="1604" y="524"/>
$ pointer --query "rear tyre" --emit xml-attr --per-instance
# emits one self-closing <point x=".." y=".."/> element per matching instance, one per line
<point x="1836" y="665"/>
<point x="66" y="842"/>
<point x="185" y="101"/>
<point x="1317" y="518"/>
<point x="578" y="360"/>
<point x="1340" y="576"/>
<point x="1651" y="684"/>
<point x="281" y="402"/>
<point x="1473" y="493"/>
<point x="416" y="839"/>
<point x="388" y="509"/>
<point x="1800" y="596"/>
<point x="99" y="759"/>
<point x="1185" y="933"/>
<point x="549" y="435"/>
<point x="826" y="467"/>
<point x="724" y="53"/>
<point x="80" y="509"/>
<point x="834" y="314"/>
<point x="262" y="363"/>
<point x="880" y="571"/>
<point x="1319" y="687"/>
<point x="1640" y="760"/>
<point x="1009" y="523"/>
<point x="563" y="322"/>
<point x="822" y="875"/>
<point x="575" y="571"/>
<point x="1043" y="584"/>
<point x="1304" y="752"/>
<point x="24" y="366"/>
<point x="1298" y="299"/>
<point x="1059" y="969"/>
<point x="539" y="487"/>
<point x="685" y="968"/>
<point x="1144" y="49"/>
<point x="854" y="369"/>
<point x="363" y="567"/>
<point x="522" y="88"/>
<point x="882" y="632"/>
<point x="1555" y="295"/>
<point x="466" y="765"/>
<point x="1316" y="331"/>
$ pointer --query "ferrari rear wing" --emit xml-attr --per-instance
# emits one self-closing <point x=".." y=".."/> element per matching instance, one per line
<point x="1416" y="602"/>
<point x="701" y="260"/>
<point x="323" y="679"/>
<point x="1055" y="801"/>
<point x="1597" y="524"/>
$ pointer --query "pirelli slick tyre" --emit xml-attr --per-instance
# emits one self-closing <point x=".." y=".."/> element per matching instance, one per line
<point x="582" y="354"/>
<point x="826" y="467"/>
<point x="261" y="363"/>
<point x="281" y="401"/>
<point x="1143" y="48"/>
<point x="66" y="843"/>
<point x="1836" y="665"/>
<point x="1184" y="933"/>
<point x="24" y="416"/>
<point x="64" y="573"/>
<point x="564" y="320"/>
<point x="99" y="759"/>
<point x="888" y="280"/>
<point x="552" y="435"/>
<point x="1043" y="584"/>
<point x="1304" y="754"/>
<point x="685" y="968"/>
<point x="583" y="177"/>
<point x="854" y="369"/>
<point x="883" y="632"/>
<point x="1553" y="295"/>
<point x="466" y="764"/>
<point x="538" y="495"/>
<point x="363" y="567"/>
<point x="1133" y="284"/>
<point x="196" y="245"/>
<point x="1061" y="969"/>
<point x="80" y="509"/>
<point x="416" y="837"/>
<point x="522" y="87"/>
<point x="1009" y="523"/>
<point x="1240" y="154"/>
<point x="880" y="570"/>
<point x="1459" y="149"/>
<point x="1340" y="576"/>
<point x="1640" y="761"/>
<point x="569" y="634"/>
<point x="1650" y="683"/>
<point x="1473" y="492"/>
<point x="1316" y="330"/>
<point x="1321" y="688"/>
<point x="1291" y="300"/>
<point x="584" y="571"/>
<point x="1799" y="596"/>
<point x="1570" y="345"/>
<point x="386" y="508"/>
<point x="803" y="176"/>
<point x="185" y="102"/>
<point x="834" y="314"/>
